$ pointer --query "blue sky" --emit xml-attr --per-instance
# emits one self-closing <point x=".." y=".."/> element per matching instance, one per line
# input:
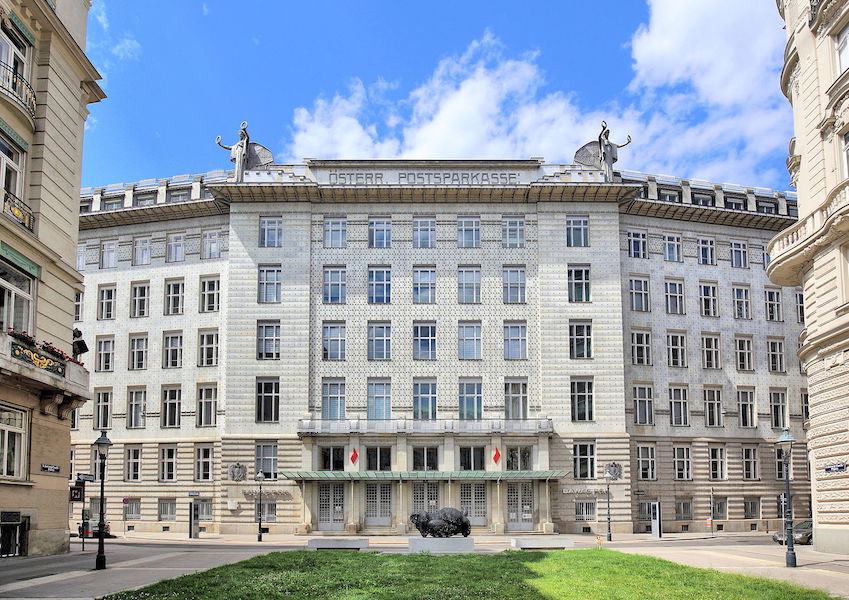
<point x="694" y="83"/>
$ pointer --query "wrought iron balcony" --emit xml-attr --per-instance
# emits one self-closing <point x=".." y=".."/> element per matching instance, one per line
<point x="18" y="210"/>
<point x="424" y="426"/>
<point x="15" y="85"/>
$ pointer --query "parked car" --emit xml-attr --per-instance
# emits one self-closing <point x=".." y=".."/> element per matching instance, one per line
<point x="91" y="529"/>
<point x="803" y="533"/>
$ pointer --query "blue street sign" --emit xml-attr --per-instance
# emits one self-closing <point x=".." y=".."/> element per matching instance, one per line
<point x="85" y="477"/>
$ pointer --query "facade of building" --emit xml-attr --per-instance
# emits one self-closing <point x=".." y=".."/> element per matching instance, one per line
<point x="384" y="337"/>
<point x="814" y="253"/>
<point x="46" y="83"/>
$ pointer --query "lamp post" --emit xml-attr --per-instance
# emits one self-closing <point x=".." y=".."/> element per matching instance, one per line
<point x="785" y="444"/>
<point x="608" y="476"/>
<point x="102" y="445"/>
<point x="259" y="478"/>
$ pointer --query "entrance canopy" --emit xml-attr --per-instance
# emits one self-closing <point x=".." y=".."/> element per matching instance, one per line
<point x="420" y="475"/>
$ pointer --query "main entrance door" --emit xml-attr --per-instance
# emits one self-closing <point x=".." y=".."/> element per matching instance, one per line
<point x="378" y="504"/>
<point x="520" y="506"/>
<point x="425" y="496"/>
<point x="331" y="506"/>
<point x="473" y="502"/>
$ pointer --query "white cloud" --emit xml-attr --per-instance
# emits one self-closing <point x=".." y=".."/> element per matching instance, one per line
<point x="90" y="123"/>
<point x="704" y="102"/>
<point x="204" y="9"/>
<point x="98" y="11"/>
<point x="127" y="48"/>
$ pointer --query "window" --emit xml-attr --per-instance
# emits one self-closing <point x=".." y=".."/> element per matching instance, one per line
<point x="751" y="508"/>
<point x="468" y="232"/>
<point x="580" y="339"/>
<point x="516" y="399"/>
<point x="204" y="509"/>
<point x="141" y="251"/>
<point x="720" y="508"/>
<point x="81" y="258"/>
<point x="334" y="285"/>
<point x="469" y="285"/>
<point x="103" y="409"/>
<point x="683" y="510"/>
<point x="379" y="458"/>
<point x="513" y="284"/>
<point x="207" y="407"/>
<point x="772" y="304"/>
<point x="210" y="245"/>
<point x="743" y="353"/>
<point x="674" y="297"/>
<point x="179" y="195"/>
<point x="780" y="466"/>
<point x="515" y="341"/>
<point x="800" y="308"/>
<point x="424" y="399"/>
<point x="167" y="463"/>
<point x="203" y="462"/>
<point x="716" y="462"/>
<point x="424" y="232"/>
<point x="579" y="283"/>
<point x="713" y="407"/>
<point x="739" y="255"/>
<point x="425" y="459"/>
<point x="643" y="405"/>
<point x="645" y="463"/>
<point x="266" y="459"/>
<point x="270" y="284"/>
<point x="267" y="399"/>
<point x="775" y="355"/>
<point x="109" y="254"/>
<point x="472" y="458"/>
<point x="708" y="300"/>
<point x="333" y="399"/>
<point x="471" y="399"/>
<point x="174" y="296"/>
<point x="132" y="463"/>
<point x="335" y="232"/>
<point x="380" y="233"/>
<point x="843" y="49"/>
<point x="669" y="196"/>
<point x="167" y="509"/>
<point x="78" y="307"/>
<point x="105" y="302"/>
<point x="778" y="409"/>
<point x="806" y="410"/>
<point x="210" y="294"/>
<point x="171" y="406"/>
<point x="424" y="341"/>
<point x="140" y="300"/>
<point x="750" y="463"/>
<point x="766" y="207"/>
<point x="136" y="408"/>
<point x="331" y="458"/>
<point x="513" y="232"/>
<point x="671" y="247"/>
<point x="676" y="349"/>
<point x="138" y="352"/>
<point x="640" y="294"/>
<point x="577" y="232"/>
<point x="585" y="510"/>
<point x="706" y="251"/>
<point x="710" y="352"/>
<point x="379" y="399"/>
<point x="332" y="341"/>
<point x="379" y="341"/>
<point x="75" y="419"/>
<point x="583" y="460"/>
<point x="679" y="410"/>
<point x="172" y="350"/>
<point x="519" y="458"/>
<point x="469" y="340"/>
<point x="746" y="409"/>
<point x="268" y="340"/>
<point x="379" y="285"/>
<point x="424" y="285"/>
<point x="637" y="244"/>
<point x="13" y="442"/>
<point x="270" y="232"/>
<point x="742" y="308"/>
<point x="681" y="463"/>
<point x="105" y="354"/>
<point x="267" y="511"/>
<point x="703" y="200"/>
<point x="175" y="247"/>
<point x="132" y="509"/>
<point x="581" y="395"/>
<point x="208" y="348"/>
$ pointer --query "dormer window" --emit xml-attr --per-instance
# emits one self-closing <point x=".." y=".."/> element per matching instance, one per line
<point x="735" y="203"/>
<point x="767" y="207"/>
<point x="178" y="196"/>
<point x="703" y="200"/>
<point x="670" y="196"/>
<point x="144" y="200"/>
<point x="113" y="203"/>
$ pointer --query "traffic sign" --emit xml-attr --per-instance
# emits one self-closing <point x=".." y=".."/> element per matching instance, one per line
<point x="85" y="477"/>
<point x="193" y="494"/>
<point x="126" y="500"/>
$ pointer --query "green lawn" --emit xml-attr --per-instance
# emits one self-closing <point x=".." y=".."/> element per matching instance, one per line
<point x="569" y="574"/>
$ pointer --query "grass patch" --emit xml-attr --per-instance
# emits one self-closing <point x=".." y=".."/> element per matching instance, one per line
<point x="565" y="574"/>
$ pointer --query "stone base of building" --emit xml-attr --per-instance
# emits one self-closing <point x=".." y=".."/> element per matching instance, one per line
<point x="831" y="538"/>
<point x="44" y="542"/>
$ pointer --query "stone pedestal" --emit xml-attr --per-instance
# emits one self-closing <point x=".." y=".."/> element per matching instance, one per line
<point x="452" y="545"/>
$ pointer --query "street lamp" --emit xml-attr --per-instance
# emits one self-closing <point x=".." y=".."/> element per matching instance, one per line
<point x="785" y="444"/>
<point x="260" y="477"/>
<point x="102" y="445"/>
<point x="608" y="477"/>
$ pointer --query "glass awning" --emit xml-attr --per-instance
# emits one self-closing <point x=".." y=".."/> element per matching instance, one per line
<point x="419" y="475"/>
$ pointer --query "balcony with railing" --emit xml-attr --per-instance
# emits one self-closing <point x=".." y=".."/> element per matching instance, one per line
<point x="13" y="84"/>
<point x="424" y="426"/>
<point x="17" y="210"/>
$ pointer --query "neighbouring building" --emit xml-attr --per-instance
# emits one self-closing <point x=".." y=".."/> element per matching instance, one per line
<point x="380" y="337"/>
<point x="46" y="83"/>
<point x="814" y="253"/>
